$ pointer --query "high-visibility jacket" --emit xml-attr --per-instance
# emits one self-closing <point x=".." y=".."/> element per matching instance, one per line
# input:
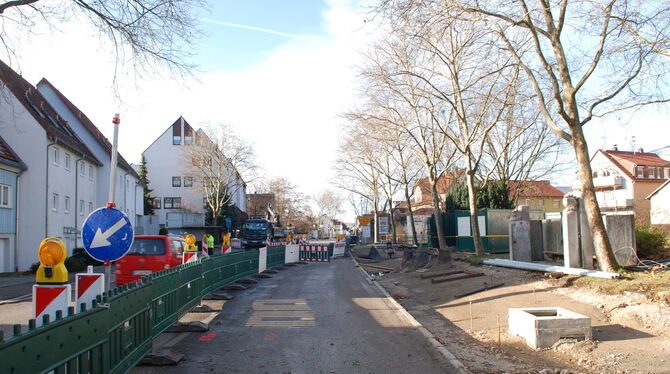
<point x="210" y="241"/>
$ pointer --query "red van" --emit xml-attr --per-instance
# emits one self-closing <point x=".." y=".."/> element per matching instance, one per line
<point x="149" y="254"/>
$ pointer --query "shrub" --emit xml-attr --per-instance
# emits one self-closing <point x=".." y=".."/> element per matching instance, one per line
<point x="163" y="231"/>
<point x="34" y="267"/>
<point x="75" y="264"/>
<point x="649" y="240"/>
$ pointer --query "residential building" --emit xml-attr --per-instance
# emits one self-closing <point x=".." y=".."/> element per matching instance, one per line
<point x="50" y="187"/>
<point x="422" y="204"/>
<point x="660" y="207"/>
<point x="179" y="197"/>
<point x="623" y="180"/>
<point x="11" y="168"/>
<point x="129" y="192"/>
<point x="538" y="195"/>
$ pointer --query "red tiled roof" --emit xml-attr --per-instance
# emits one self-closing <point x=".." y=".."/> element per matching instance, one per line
<point x="638" y="158"/>
<point x="444" y="183"/>
<point x="91" y="127"/>
<point x="533" y="189"/>
<point x="42" y="112"/>
<point x="8" y="157"/>
<point x="635" y="158"/>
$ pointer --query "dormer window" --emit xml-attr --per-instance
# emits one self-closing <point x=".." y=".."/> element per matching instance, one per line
<point x="176" y="133"/>
<point x="652" y="172"/>
<point x="639" y="171"/>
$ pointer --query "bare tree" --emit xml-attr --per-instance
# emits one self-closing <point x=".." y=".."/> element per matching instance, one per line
<point x="584" y="59"/>
<point x="395" y="100"/>
<point x="146" y="32"/>
<point x="291" y="204"/>
<point x="355" y="172"/>
<point x="220" y="163"/>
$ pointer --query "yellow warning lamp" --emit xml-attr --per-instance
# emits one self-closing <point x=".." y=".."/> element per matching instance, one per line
<point x="52" y="262"/>
<point x="190" y="243"/>
<point x="226" y="239"/>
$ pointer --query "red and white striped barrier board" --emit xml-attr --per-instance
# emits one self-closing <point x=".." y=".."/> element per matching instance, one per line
<point x="47" y="299"/>
<point x="276" y="244"/>
<point x="86" y="287"/>
<point x="314" y="253"/>
<point x="225" y="249"/>
<point x="236" y="243"/>
<point x="189" y="257"/>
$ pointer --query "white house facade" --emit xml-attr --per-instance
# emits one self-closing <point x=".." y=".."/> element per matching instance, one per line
<point x="660" y="207"/>
<point x="50" y="188"/>
<point x="179" y="199"/>
<point x="129" y="191"/>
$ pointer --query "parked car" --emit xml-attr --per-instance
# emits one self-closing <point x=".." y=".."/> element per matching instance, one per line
<point x="149" y="254"/>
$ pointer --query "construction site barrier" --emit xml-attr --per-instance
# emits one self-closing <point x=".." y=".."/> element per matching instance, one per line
<point x="314" y="253"/>
<point x="292" y="253"/>
<point x="117" y="331"/>
<point x="338" y="249"/>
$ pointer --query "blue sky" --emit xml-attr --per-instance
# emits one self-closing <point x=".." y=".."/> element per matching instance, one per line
<point x="228" y="47"/>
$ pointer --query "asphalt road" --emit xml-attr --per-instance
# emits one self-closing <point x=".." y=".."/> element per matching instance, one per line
<point x="314" y="318"/>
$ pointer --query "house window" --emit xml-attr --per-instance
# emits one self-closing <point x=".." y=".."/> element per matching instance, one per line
<point x="556" y="204"/>
<point x="540" y="202"/>
<point x="188" y="181"/>
<point x="55" y="156"/>
<point x="639" y="171"/>
<point x="67" y="161"/>
<point x="90" y="172"/>
<point x="81" y="207"/>
<point x="176" y="181"/>
<point x="5" y="193"/>
<point x="652" y="172"/>
<point x="172" y="203"/>
<point x="66" y="208"/>
<point x="90" y="207"/>
<point x="156" y="203"/>
<point x="54" y="202"/>
<point x="82" y="170"/>
<point x="595" y="174"/>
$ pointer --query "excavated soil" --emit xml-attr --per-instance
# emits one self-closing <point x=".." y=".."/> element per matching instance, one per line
<point x="630" y="333"/>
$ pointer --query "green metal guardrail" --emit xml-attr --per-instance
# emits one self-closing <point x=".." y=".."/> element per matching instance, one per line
<point x="114" y="335"/>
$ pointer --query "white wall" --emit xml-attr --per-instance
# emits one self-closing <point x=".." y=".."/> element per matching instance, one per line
<point x="660" y="207"/>
<point x="126" y="183"/>
<point x="165" y="160"/>
<point x="600" y="164"/>
<point x="27" y="138"/>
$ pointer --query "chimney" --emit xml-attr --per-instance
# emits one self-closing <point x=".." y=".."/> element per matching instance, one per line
<point x="639" y="150"/>
<point x="615" y="148"/>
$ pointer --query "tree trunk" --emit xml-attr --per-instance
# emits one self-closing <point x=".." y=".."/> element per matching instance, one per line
<point x="442" y="242"/>
<point x="411" y="216"/>
<point x="474" y="212"/>
<point x="601" y="243"/>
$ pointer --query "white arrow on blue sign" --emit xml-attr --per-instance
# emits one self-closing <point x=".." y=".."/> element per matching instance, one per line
<point x="107" y="234"/>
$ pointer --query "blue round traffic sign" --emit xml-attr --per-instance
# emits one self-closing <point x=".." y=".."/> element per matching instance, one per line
<point x="107" y="234"/>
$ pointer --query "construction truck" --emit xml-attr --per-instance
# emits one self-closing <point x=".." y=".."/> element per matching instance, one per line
<point x="279" y="233"/>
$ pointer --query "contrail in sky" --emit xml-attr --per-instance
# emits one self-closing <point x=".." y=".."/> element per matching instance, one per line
<point x="253" y="28"/>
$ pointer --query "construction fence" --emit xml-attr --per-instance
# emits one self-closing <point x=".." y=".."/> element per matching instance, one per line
<point x="116" y="331"/>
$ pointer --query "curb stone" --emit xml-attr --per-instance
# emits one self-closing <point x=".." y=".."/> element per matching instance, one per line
<point x="455" y="362"/>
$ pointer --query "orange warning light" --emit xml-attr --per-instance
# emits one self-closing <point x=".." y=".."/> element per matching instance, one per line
<point x="52" y="251"/>
<point x="190" y="239"/>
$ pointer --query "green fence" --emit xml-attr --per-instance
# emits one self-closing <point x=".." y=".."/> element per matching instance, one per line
<point x="114" y="335"/>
